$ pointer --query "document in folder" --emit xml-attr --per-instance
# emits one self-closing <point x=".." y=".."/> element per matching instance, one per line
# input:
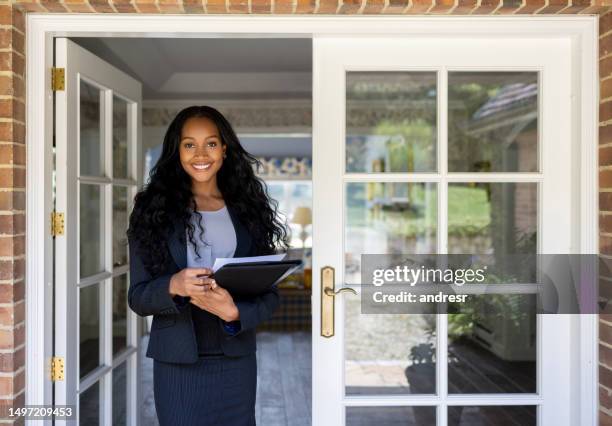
<point x="222" y="261"/>
<point x="249" y="279"/>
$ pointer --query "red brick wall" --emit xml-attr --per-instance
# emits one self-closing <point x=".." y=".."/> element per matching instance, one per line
<point x="12" y="208"/>
<point x="605" y="206"/>
<point x="12" y="134"/>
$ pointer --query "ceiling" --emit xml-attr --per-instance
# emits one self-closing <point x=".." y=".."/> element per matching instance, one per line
<point x="232" y="69"/>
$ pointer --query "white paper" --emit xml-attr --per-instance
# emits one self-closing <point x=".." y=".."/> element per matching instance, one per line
<point x="222" y="261"/>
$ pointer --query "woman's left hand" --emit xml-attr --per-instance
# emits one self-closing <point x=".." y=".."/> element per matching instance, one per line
<point x="217" y="301"/>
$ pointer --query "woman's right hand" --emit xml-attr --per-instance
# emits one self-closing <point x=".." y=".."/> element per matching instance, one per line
<point x="187" y="283"/>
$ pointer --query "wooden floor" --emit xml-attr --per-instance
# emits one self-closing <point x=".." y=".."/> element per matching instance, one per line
<point x="284" y="386"/>
<point x="283" y="380"/>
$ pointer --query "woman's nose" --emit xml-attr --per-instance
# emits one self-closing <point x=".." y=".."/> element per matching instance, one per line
<point x="201" y="151"/>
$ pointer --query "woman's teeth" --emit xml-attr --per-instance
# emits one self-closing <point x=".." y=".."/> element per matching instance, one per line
<point x="201" y="166"/>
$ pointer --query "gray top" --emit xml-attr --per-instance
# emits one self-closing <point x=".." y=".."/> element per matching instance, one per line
<point x="220" y="235"/>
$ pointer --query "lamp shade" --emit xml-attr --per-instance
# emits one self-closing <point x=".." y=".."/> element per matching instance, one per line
<point x="302" y="216"/>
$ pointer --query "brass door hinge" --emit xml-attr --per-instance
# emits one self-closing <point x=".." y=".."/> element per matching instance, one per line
<point x="57" y="224"/>
<point x="57" y="79"/>
<point x="57" y="368"/>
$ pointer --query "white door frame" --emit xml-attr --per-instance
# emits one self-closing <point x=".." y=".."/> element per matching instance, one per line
<point x="581" y="31"/>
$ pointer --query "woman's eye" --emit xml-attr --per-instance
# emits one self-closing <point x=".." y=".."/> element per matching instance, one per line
<point x="212" y="144"/>
<point x="188" y="145"/>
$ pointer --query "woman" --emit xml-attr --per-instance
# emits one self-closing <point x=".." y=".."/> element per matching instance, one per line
<point x="203" y="201"/>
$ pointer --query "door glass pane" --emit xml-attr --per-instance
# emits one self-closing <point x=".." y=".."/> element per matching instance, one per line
<point x="89" y="406"/>
<point x="89" y="329"/>
<point x="391" y="416"/>
<point x="492" y="121"/>
<point x="492" y="416"/>
<point x="391" y="121"/>
<point x="120" y="225"/>
<point x="388" y="218"/>
<point x="119" y="313"/>
<point x="91" y="143"/>
<point x="120" y="138"/>
<point x="388" y="354"/>
<point x="120" y="393"/>
<point x="91" y="234"/>
<point x="492" y="218"/>
<point x="492" y="341"/>
<point x="492" y="345"/>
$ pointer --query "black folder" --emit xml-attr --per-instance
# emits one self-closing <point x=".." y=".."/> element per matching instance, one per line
<point x="250" y="279"/>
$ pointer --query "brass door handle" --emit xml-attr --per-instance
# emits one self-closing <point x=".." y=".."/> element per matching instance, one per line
<point x="328" y="296"/>
<point x="330" y="291"/>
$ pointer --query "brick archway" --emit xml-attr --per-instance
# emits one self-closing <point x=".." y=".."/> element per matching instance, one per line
<point x="12" y="135"/>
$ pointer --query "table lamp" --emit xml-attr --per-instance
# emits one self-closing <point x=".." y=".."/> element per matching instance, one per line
<point x="302" y="216"/>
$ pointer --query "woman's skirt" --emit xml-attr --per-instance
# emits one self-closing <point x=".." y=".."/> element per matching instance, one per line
<point x="215" y="390"/>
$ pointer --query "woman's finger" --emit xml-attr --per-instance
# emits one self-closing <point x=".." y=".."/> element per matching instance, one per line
<point x="201" y="281"/>
<point x="198" y="289"/>
<point x="200" y="271"/>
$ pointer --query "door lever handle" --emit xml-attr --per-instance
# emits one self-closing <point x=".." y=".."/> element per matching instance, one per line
<point x="328" y="296"/>
<point x="330" y="291"/>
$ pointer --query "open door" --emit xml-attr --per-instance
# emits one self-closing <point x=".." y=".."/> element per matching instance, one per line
<point x="97" y="172"/>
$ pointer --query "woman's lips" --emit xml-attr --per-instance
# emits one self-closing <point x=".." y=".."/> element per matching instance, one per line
<point x="201" y="166"/>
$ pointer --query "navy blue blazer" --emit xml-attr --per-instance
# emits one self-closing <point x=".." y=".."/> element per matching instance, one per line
<point x="172" y="336"/>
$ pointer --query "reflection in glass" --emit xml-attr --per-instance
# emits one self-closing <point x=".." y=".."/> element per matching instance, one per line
<point x="90" y="119"/>
<point x="388" y="218"/>
<point x="492" y="416"/>
<point x="390" y="416"/>
<point x="120" y="138"/>
<point x="120" y="225"/>
<point x="120" y="393"/>
<point x="89" y="329"/>
<point x="89" y="406"/>
<point x="492" y="218"/>
<point x="391" y="121"/>
<point x="388" y="354"/>
<point x="90" y="230"/>
<point x="492" y="121"/>
<point x="492" y="345"/>
<point x="119" y="313"/>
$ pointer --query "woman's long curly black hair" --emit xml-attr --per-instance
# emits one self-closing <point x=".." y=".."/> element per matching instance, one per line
<point x="168" y="196"/>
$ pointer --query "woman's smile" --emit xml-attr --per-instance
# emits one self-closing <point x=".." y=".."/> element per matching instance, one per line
<point x="201" y="166"/>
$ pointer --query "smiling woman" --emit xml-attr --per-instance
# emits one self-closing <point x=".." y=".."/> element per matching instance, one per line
<point x="201" y="149"/>
<point x="202" y="340"/>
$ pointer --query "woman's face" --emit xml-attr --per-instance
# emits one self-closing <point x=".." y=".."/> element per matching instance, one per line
<point x="201" y="150"/>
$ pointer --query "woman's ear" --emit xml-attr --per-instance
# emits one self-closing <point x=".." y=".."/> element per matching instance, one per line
<point x="224" y="149"/>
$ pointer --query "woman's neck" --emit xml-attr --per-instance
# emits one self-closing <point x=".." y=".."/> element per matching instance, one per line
<point x="207" y="195"/>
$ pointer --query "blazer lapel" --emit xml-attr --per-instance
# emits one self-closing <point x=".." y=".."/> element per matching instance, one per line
<point x="178" y="247"/>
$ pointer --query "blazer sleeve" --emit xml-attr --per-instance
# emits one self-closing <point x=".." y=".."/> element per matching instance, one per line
<point x="149" y="295"/>
<point x="253" y="312"/>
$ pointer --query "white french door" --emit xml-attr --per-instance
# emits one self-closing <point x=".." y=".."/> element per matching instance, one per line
<point x="439" y="145"/>
<point x="97" y="163"/>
